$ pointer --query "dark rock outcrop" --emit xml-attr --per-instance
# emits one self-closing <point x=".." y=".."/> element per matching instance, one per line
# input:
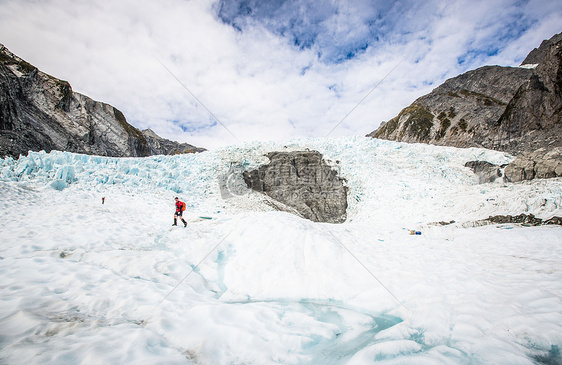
<point x="525" y="219"/>
<point x="161" y="146"/>
<point x="41" y="112"/>
<point x="542" y="164"/>
<point x="512" y="109"/>
<point x="487" y="172"/>
<point x="302" y="180"/>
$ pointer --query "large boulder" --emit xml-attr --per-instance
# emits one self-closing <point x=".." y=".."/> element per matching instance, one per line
<point x="302" y="180"/>
<point x="487" y="172"/>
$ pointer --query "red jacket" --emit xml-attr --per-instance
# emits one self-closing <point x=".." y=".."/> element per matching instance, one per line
<point x="180" y="206"/>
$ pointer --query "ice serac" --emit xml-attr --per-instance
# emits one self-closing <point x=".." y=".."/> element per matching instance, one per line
<point x="512" y="109"/>
<point x="304" y="181"/>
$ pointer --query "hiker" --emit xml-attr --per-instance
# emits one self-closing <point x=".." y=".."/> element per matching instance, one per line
<point x="180" y="207"/>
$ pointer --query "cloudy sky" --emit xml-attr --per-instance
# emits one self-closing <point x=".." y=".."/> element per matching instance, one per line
<point x="215" y="73"/>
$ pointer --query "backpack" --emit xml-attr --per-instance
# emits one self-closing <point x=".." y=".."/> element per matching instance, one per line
<point x="182" y="206"/>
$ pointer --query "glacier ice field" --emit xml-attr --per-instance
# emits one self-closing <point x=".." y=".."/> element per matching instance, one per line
<point x="91" y="281"/>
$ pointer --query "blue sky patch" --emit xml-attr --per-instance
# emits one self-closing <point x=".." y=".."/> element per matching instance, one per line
<point x="338" y="31"/>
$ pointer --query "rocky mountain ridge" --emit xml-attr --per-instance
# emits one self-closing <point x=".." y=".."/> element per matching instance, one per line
<point x="41" y="112"/>
<point x="163" y="146"/>
<point x="512" y="109"/>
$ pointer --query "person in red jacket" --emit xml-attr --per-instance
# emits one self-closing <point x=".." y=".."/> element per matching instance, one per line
<point x="180" y="207"/>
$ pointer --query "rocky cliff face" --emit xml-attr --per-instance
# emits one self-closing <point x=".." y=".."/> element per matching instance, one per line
<point x="533" y="118"/>
<point x="41" y="112"/>
<point x="302" y="180"/>
<point x="503" y="108"/>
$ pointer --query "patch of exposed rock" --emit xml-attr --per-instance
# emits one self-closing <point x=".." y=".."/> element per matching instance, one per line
<point x="541" y="164"/>
<point x="525" y="219"/>
<point x="302" y="180"/>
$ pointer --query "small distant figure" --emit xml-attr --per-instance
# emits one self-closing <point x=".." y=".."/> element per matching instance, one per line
<point x="180" y="207"/>
<point x="103" y="200"/>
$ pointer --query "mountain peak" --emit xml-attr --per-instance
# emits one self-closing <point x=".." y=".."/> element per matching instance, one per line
<point x="512" y="109"/>
<point x="538" y="55"/>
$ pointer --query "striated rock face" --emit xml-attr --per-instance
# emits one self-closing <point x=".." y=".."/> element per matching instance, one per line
<point x="41" y="112"/>
<point x="513" y="109"/>
<point x="302" y="180"/>
<point x="541" y="164"/>
<point x="533" y="117"/>
<point x="161" y="146"/>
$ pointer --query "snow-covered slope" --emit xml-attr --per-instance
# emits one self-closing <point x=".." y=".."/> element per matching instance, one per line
<point x="92" y="283"/>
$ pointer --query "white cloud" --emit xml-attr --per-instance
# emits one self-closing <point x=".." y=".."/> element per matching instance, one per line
<point x="257" y="82"/>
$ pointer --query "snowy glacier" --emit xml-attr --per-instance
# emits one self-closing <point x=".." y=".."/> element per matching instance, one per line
<point x="91" y="281"/>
